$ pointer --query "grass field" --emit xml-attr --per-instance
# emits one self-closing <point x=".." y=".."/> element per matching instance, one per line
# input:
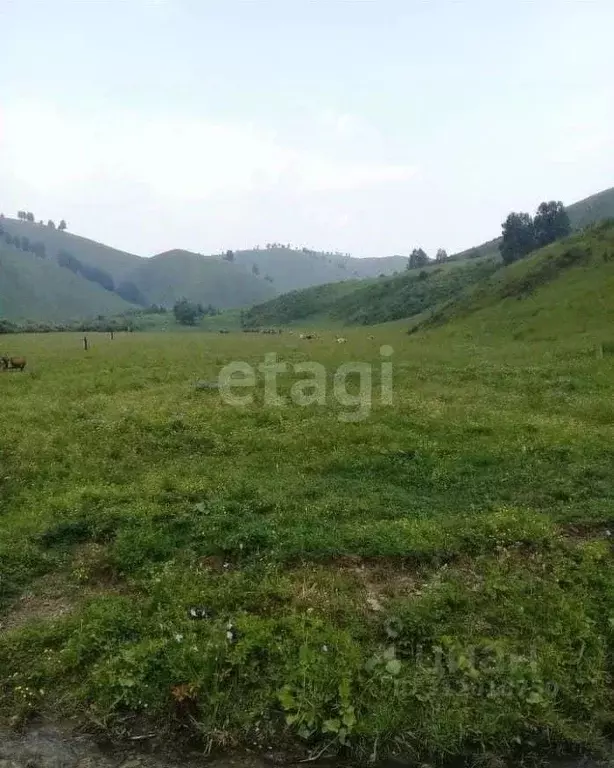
<point x="433" y="580"/>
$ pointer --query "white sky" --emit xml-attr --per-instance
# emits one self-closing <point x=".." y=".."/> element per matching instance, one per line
<point x="368" y="126"/>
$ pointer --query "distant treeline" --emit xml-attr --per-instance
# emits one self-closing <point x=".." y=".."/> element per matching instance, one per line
<point x="129" y="321"/>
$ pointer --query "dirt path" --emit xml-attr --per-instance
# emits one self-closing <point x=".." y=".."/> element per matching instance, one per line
<point x="53" y="747"/>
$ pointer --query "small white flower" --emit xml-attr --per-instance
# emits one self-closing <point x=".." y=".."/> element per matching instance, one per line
<point x="325" y="648"/>
<point x="178" y="637"/>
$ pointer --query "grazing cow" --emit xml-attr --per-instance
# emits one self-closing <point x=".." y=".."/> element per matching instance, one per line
<point x="14" y="363"/>
<point x="341" y="341"/>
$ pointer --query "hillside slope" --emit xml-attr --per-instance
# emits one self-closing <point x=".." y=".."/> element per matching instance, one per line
<point x="39" y="289"/>
<point x="174" y="275"/>
<point x="367" y="302"/>
<point x="117" y="263"/>
<point x="562" y="290"/>
<point x="291" y="269"/>
<point x="590" y="210"/>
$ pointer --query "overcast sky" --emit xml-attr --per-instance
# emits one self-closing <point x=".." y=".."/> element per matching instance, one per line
<point x="368" y="126"/>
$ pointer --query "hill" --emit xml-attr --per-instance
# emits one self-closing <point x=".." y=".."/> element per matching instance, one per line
<point x="38" y="289"/>
<point x="582" y="214"/>
<point x="116" y="263"/>
<point x="561" y="290"/>
<point x="367" y="302"/>
<point x="173" y="275"/>
<point x="292" y="269"/>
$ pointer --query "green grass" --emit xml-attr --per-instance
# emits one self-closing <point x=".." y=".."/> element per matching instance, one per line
<point x="370" y="302"/>
<point x="559" y="291"/>
<point x="40" y="290"/>
<point x="431" y="581"/>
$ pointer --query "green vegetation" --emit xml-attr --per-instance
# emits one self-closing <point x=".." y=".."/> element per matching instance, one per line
<point x="175" y="275"/>
<point x="552" y="283"/>
<point x="523" y="234"/>
<point x="369" y="302"/>
<point x="582" y="214"/>
<point x="434" y="581"/>
<point x="234" y="279"/>
<point x="38" y="289"/>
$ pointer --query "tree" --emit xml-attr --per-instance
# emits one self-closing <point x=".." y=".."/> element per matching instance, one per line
<point x="129" y="292"/>
<point x="518" y="237"/>
<point x="25" y="243"/>
<point x="30" y="216"/>
<point x="187" y="313"/>
<point x="255" y="269"/>
<point x="51" y="224"/>
<point x="21" y="215"/>
<point x="62" y="225"/>
<point x="38" y="249"/>
<point x="417" y="258"/>
<point x="551" y="223"/>
<point x="229" y="255"/>
<point x="441" y="256"/>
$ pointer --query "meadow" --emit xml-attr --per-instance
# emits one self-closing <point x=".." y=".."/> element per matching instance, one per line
<point x="432" y="581"/>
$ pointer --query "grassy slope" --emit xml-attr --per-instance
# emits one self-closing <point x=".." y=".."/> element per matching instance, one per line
<point x="296" y="269"/>
<point x="39" y="289"/>
<point x="180" y="274"/>
<point x="564" y="288"/>
<point x="588" y="211"/>
<point x="117" y="263"/>
<point x="367" y="302"/>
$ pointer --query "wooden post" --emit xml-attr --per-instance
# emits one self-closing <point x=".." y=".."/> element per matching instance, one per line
<point x="112" y="336"/>
<point x="85" y="343"/>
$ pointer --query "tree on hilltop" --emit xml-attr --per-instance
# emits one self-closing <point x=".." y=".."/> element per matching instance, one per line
<point x="551" y="223"/>
<point x="518" y="237"/>
<point x="441" y="256"/>
<point x="62" y="225"/>
<point x="417" y="258"/>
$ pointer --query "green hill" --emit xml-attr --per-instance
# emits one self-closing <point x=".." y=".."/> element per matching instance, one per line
<point x="116" y="263"/>
<point x="581" y="214"/>
<point x="180" y="274"/>
<point x="292" y="269"/>
<point x="38" y="289"/>
<point x="562" y="290"/>
<point x="367" y="302"/>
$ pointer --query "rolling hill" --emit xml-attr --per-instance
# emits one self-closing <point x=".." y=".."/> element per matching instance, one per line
<point x="367" y="302"/>
<point x="33" y="287"/>
<point x="581" y="214"/>
<point x="292" y="269"/>
<point x="117" y="263"/>
<point x="173" y="275"/>
<point x="562" y="290"/>
<point x="39" y="289"/>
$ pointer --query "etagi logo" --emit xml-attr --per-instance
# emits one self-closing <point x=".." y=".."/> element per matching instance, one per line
<point x="352" y="384"/>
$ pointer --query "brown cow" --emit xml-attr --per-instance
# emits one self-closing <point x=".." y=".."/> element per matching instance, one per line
<point x="16" y="363"/>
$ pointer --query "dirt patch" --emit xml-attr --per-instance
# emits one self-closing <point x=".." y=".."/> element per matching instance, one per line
<point x="589" y="531"/>
<point x="52" y="597"/>
<point x="368" y="583"/>
<point x="50" y="746"/>
<point x="61" y="747"/>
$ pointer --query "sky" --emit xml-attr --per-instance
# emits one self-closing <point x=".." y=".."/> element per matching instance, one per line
<point x="365" y="126"/>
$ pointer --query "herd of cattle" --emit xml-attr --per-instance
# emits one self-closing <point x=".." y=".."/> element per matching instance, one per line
<point x="12" y="363"/>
